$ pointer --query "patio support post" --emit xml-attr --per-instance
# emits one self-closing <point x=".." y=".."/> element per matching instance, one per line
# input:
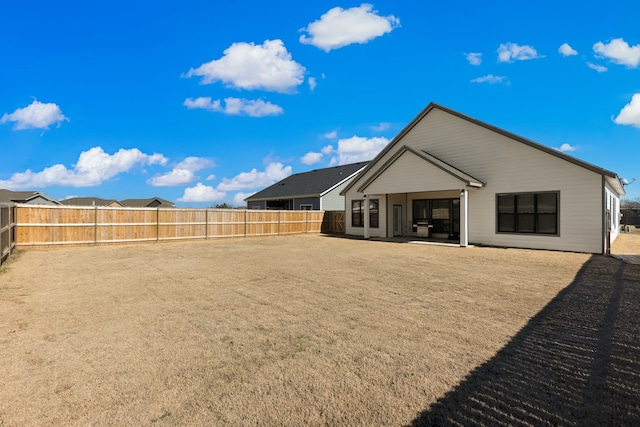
<point x="366" y="217"/>
<point x="464" y="218"/>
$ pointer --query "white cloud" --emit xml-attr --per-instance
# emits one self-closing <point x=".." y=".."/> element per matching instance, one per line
<point x="238" y="198"/>
<point x="312" y="83"/>
<point x="183" y="173"/>
<point x="331" y="135"/>
<point x="630" y="114"/>
<point x="36" y="115"/>
<point x="598" y="68"/>
<point x="381" y="127"/>
<point x="491" y="79"/>
<point x="211" y="177"/>
<point x="358" y="149"/>
<point x="173" y="178"/>
<point x="619" y="52"/>
<point x="235" y="106"/>
<point x="474" y="58"/>
<point x="202" y="193"/>
<point x="93" y="167"/>
<point x="341" y="27"/>
<point x="566" y="50"/>
<point x="311" y="158"/>
<point x="567" y="148"/>
<point x="249" y="66"/>
<point x="327" y="149"/>
<point x="509" y="52"/>
<point x="272" y="173"/>
<point x="202" y="102"/>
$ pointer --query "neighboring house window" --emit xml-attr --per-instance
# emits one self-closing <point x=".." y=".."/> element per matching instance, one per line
<point x="305" y="207"/>
<point x="357" y="218"/>
<point x="535" y="213"/>
<point x="357" y="213"/>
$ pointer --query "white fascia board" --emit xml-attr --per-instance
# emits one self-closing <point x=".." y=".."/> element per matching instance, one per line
<point x="343" y="181"/>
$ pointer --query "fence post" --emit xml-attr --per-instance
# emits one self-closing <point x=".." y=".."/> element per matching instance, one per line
<point x="307" y="224"/>
<point x="206" y="224"/>
<point x="245" y="223"/>
<point x="157" y="225"/>
<point x="9" y="231"/>
<point x="95" y="225"/>
<point x="279" y="212"/>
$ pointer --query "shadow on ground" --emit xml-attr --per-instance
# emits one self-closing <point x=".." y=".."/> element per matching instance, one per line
<point x="577" y="362"/>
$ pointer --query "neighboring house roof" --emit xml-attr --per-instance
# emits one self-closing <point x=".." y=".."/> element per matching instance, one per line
<point x="8" y="196"/>
<point x="612" y="179"/>
<point x="89" y="201"/>
<point x="153" y="202"/>
<point x="314" y="183"/>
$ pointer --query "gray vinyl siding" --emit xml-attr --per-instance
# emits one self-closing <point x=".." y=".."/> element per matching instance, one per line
<point x="313" y="201"/>
<point x="256" y="204"/>
<point x="409" y="173"/>
<point x="505" y="166"/>
<point x="333" y="201"/>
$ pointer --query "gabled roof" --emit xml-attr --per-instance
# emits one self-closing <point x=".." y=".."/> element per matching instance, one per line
<point x="8" y="196"/>
<point x="431" y="160"/>
<point x="88" y="201"/>
<point x="314" y="183"/>
<point x="612" y="179"/>
<point x="144" y="203"/>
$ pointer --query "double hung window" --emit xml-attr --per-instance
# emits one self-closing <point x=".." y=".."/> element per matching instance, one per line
<point x="357" y="213"/>
<point x="535" y="213"/>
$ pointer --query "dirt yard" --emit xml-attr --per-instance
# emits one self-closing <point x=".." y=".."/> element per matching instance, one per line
<point x="317" y="330"/>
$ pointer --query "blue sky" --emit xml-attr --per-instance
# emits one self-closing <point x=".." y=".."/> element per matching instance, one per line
<point x="203" y="102"/>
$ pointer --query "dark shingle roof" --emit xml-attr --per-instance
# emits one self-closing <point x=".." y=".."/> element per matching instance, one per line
<point x="8" y="196"/>
<point x="144" y="203"/>
<point x="312" y="183"/>
<point x="87" y="201"/>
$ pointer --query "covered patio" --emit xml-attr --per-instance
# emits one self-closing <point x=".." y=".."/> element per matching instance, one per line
<point x="432" y="201"/>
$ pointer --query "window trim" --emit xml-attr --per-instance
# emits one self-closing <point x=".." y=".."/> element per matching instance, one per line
<point x="515" y="214"/>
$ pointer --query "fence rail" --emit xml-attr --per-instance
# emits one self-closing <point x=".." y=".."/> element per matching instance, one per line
<point x="72" y="225"/>
<point x="7" y="231"/>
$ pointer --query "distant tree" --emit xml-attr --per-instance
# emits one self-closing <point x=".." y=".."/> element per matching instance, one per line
<point x="223" y="206"/>
<point x="630" y="203"/>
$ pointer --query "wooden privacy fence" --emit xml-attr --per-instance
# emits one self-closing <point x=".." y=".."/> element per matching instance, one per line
<point x="333" y="222"/>
<point x="62" y="225"/>
<point x="7" y="231"/>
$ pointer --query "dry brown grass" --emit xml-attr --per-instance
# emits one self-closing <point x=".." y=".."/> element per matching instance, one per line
<point x="627" y="243"/>
<point x="312" y="330"/>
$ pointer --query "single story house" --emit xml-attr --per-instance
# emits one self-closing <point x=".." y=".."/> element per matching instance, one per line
<point x="314" y="190"/>
<point x="90" y="201"/>
<point x="449" y="176"/>
<point x="154" y="202"/>
<point x="28" y="197"/>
